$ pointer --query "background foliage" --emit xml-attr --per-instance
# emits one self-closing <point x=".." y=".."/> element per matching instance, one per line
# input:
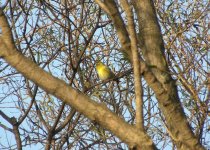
<point x="65" y="38"/>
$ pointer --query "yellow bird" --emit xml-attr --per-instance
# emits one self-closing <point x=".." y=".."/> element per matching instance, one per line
<point x="103" y="71"/>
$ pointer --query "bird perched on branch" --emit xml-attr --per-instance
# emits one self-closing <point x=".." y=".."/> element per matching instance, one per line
<point x="104" y="72"/>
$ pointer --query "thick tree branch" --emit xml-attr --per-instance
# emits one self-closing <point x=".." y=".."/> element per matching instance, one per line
<point x="166" y="93"/>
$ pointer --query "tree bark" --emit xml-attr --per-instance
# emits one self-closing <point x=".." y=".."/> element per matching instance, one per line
<point x="166" y="92"/>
